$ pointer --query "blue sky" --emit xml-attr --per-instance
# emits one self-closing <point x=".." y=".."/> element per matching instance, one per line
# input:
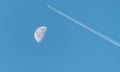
<point x="66" y="47"/>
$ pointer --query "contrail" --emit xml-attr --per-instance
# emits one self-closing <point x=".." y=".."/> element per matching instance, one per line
<point x="84" y="26"/>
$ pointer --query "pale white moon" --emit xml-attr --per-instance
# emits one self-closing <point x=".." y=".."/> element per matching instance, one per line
<point x="40" y="33"/>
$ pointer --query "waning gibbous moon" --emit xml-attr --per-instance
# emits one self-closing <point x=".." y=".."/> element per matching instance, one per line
<point x="40" y="33"/>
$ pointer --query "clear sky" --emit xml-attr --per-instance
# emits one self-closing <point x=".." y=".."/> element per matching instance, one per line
<point x="66" y="46"/>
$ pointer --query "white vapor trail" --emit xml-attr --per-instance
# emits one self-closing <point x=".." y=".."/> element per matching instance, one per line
<point x="84" y="26"/>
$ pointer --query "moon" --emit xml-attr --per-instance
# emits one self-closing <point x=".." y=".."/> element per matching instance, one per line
<point x="40" y="33"/>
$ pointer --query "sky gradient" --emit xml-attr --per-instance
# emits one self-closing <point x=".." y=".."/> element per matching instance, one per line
<point x="66" y="46"/>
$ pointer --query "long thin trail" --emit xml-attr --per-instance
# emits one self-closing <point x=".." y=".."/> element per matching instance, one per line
<point x="84" y="26"/>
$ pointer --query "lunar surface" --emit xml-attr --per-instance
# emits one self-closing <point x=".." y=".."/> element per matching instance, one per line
<point x="40" y="33"/>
